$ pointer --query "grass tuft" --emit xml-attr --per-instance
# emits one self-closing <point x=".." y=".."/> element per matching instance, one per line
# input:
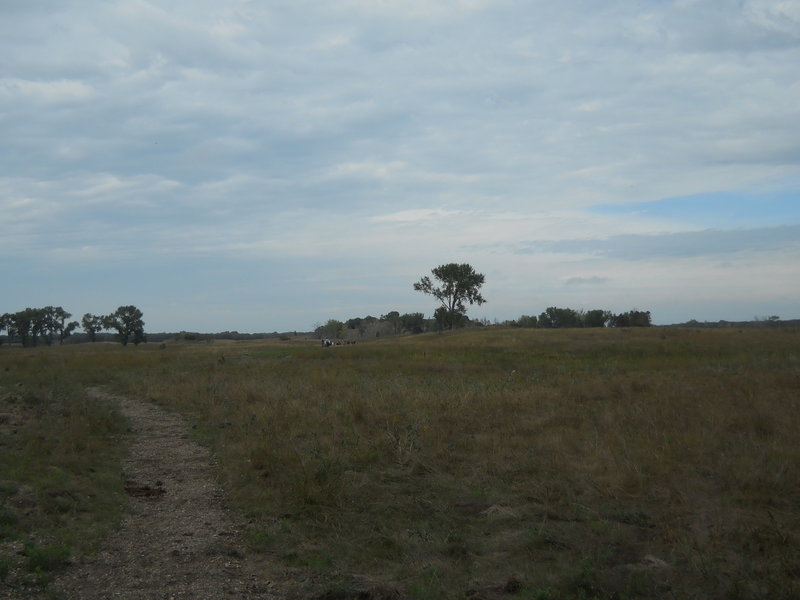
<point x="45" y="559"/>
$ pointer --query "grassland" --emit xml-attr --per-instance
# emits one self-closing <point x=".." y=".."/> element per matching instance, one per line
<point x="484" y="463"/>
<point x="60" y="482"/>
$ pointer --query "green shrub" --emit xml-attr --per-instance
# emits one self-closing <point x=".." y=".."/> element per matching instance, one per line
<point x="44" y="559"/>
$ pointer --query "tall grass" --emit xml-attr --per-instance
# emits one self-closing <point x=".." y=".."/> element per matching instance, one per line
<point x="561" y="464"/>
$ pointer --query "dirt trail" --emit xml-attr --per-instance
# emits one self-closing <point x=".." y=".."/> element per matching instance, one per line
<point x="176" y="540"/>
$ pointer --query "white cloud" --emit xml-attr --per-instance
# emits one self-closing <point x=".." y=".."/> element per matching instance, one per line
<point x="639" y="247"/>
<point x="228" y="30"/>
<point x="783" y="16"/>
<point x="592" y="280"/>
<point x="102" y="184"/>
<point x="48" y="92"/>
<point x="415" y="215"/>
<point x="419" y="9"/>
<point x="368" y="169"/>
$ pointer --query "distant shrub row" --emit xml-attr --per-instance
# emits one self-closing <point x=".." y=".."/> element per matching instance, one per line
<point x="558" y="318"/>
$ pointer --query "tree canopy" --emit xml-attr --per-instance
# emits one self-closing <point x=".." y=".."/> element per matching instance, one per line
<point x="32" y="324"/>
<point x="458" y="284"/>
<point x="127" y="320"/>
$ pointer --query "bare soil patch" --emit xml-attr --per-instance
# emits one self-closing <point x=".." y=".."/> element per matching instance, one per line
<point x="176" y="540"/>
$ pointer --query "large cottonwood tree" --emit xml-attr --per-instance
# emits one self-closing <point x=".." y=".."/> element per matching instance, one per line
<point x="456" y="285"/>
<point x="127" y="320"/>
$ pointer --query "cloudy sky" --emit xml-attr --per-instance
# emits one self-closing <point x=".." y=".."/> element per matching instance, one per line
<point x="262" y="165"/>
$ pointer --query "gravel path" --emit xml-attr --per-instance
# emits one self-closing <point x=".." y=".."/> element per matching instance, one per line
<point x="177" y="540"/>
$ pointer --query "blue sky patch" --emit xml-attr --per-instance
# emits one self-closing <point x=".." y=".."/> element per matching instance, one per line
<point x="733" y="209"/>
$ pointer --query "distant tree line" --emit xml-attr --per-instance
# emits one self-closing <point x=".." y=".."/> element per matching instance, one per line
<point x="455" y="286"/>
<point x="771" y="321"/>
<point x="558" y="318"/>
<point x="33" y="326"/>
<point x="210" y="338"/>
<point x="392" y="323"/>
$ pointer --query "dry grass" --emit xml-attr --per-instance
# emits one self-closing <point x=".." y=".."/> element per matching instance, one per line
<point x="560" y="464"/>
<point x="501" y="463"/>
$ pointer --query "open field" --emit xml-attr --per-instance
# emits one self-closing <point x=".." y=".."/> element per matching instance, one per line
<point x="483" y="463"/>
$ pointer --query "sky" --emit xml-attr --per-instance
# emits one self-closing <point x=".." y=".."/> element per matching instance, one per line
<point x="268" y="165"/>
